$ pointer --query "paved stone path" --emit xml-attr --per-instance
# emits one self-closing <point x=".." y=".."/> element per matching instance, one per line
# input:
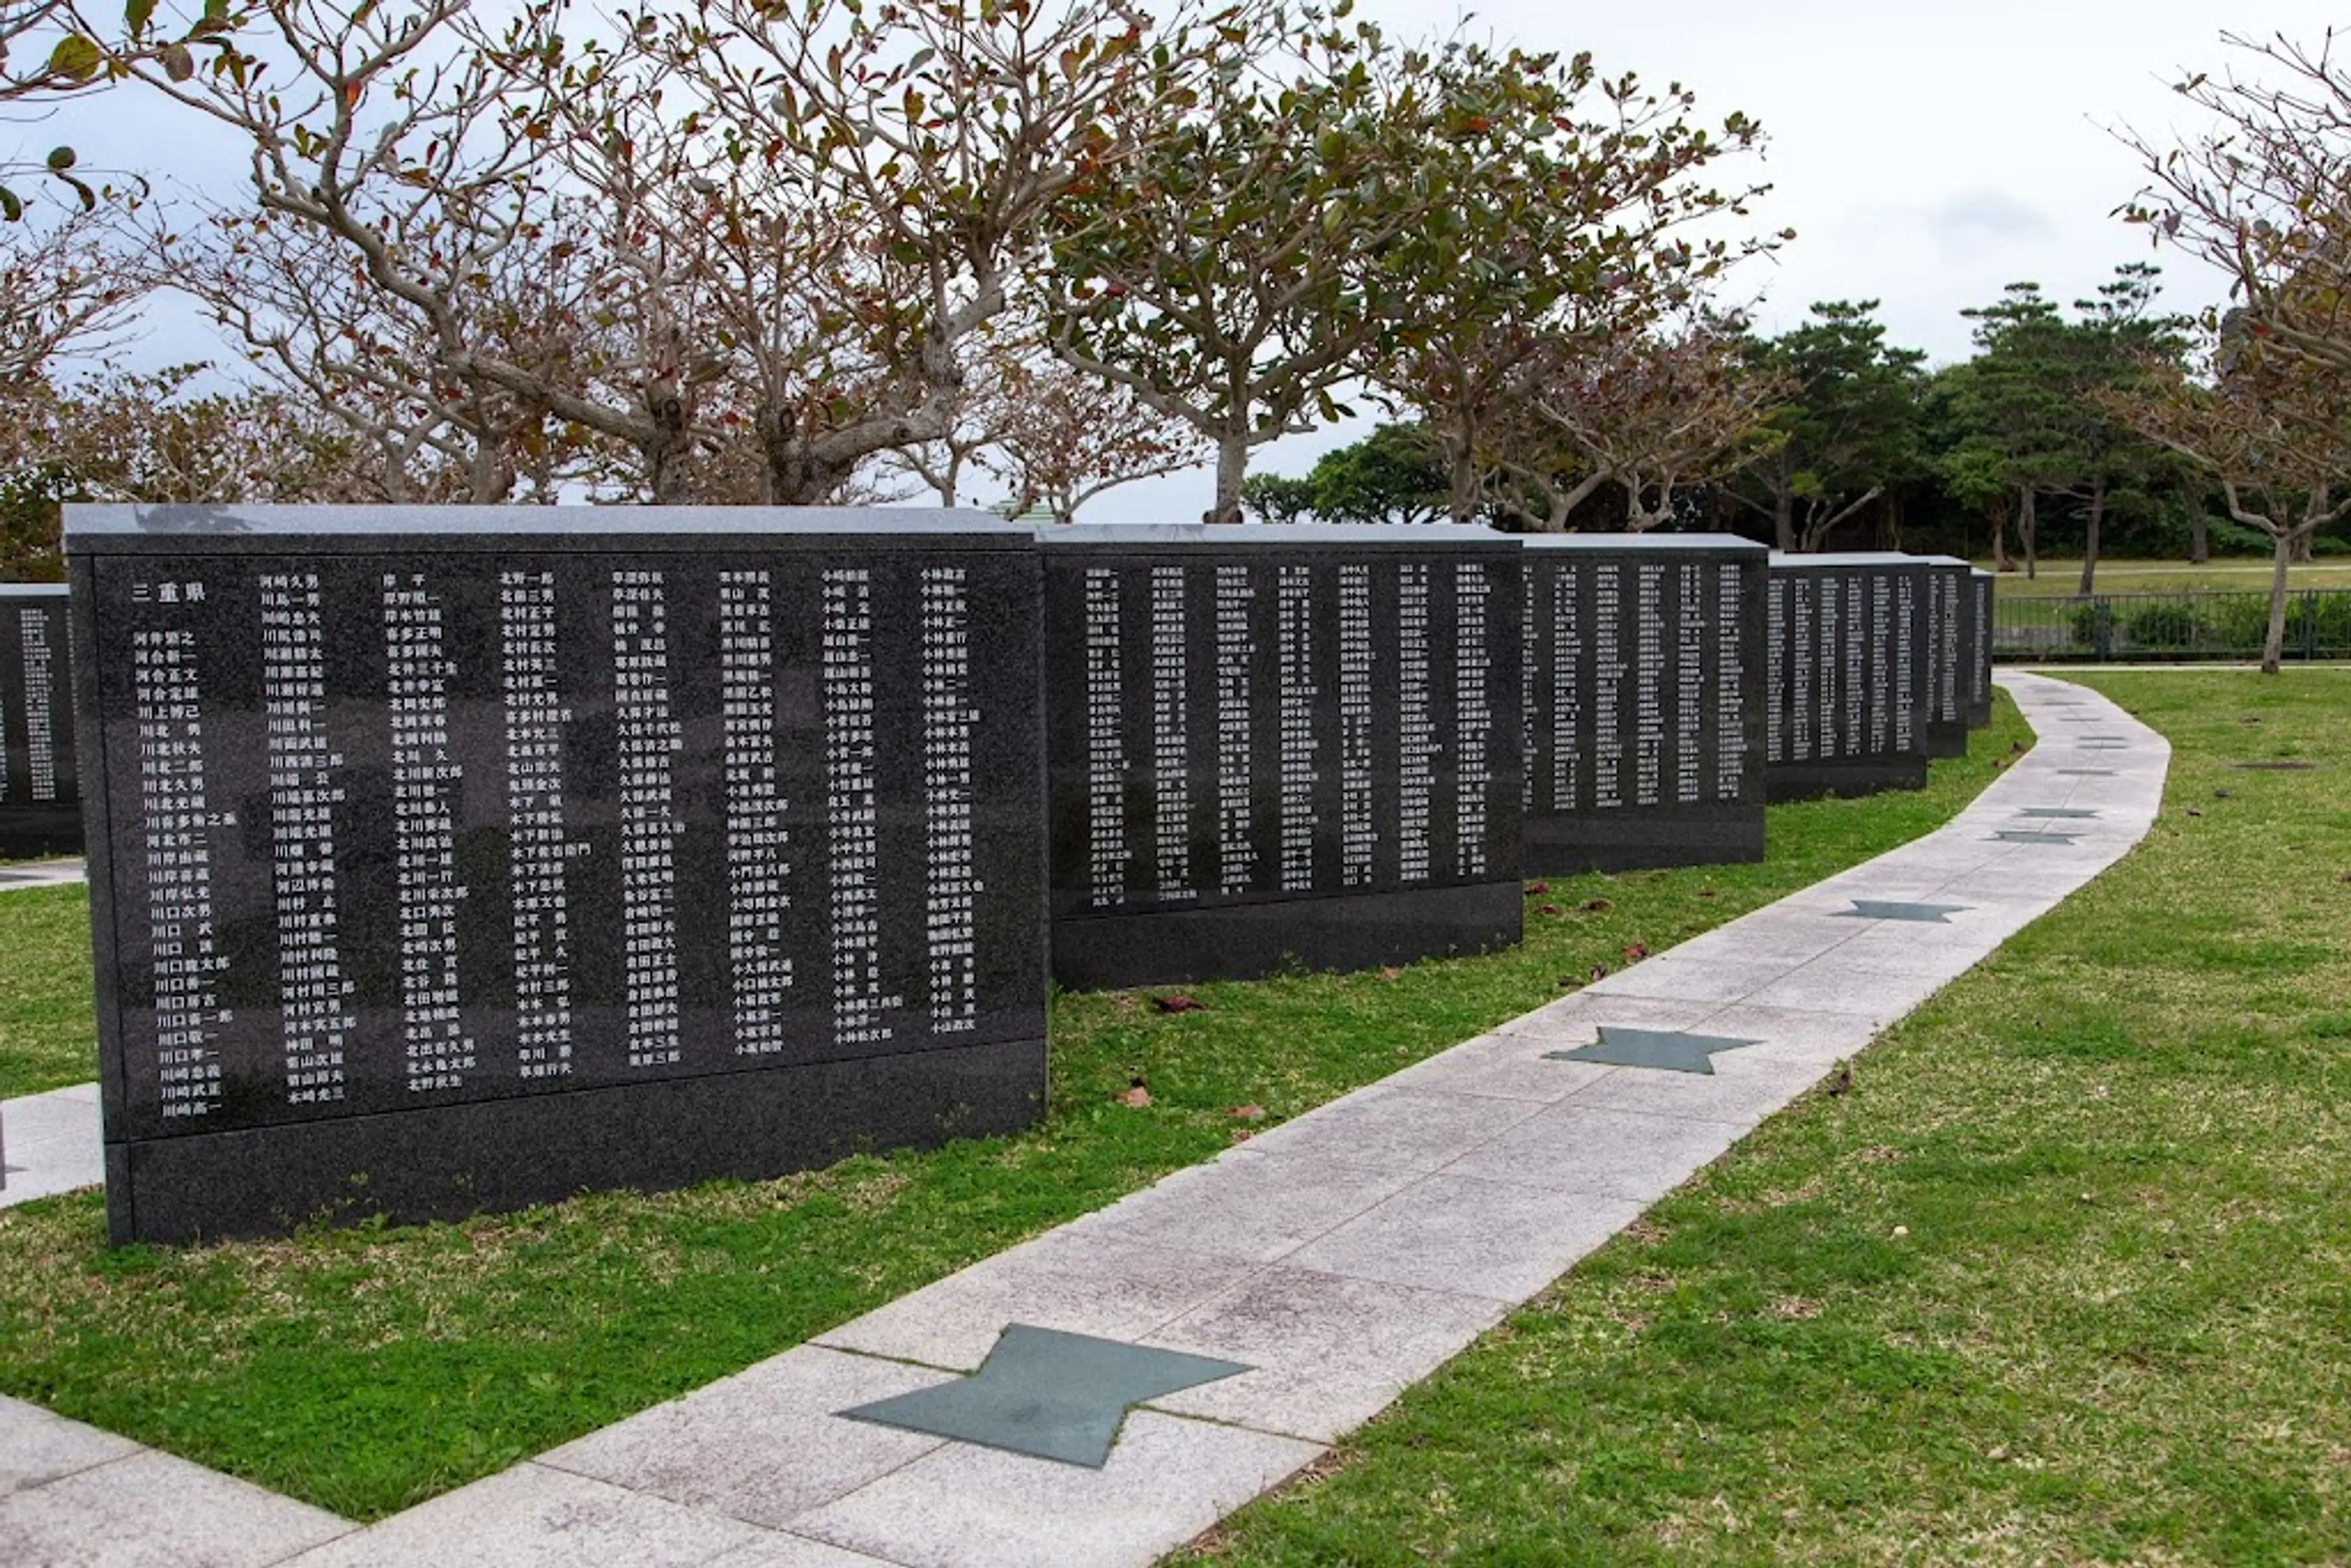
<point x="49" y="1143"/>
<point x="15" y="874"/>
<point x="1341" y="1257"/>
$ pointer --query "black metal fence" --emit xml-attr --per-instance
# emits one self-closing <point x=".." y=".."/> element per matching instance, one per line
<point x="2190" y="625"/>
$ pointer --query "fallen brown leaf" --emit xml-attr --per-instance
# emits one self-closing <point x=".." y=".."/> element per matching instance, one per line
<point x="1137" y="1097"/>
<point x="1178" y="1005"/>
<point x="1593" y="905"/>
<point x="1250" y="1112"/>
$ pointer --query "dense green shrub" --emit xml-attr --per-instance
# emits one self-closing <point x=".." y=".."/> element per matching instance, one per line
<point x="2166" y="623"/>
<point x="2241" y="622"/>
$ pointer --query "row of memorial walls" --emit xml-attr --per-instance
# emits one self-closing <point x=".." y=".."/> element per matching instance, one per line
<point x="1279" y="745"/>
<point x="1848" y="696"/>
<point x="1979" y="623"/>
<point x="445" y="860"/>
<point x="40" y="790"/>
<point x="1949" y="653"/>
<point x="1644" y="701"/>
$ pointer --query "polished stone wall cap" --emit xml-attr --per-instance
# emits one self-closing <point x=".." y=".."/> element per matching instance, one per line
<point x="108" y="530"/>
<point x="1979" y="571"/>
<point x="1848" y="559"/>
<point x="1731" y="544"/>
<point x="1261" y="535"/>
<point x="1943" y="560"/>
<point x="32" y="591"/>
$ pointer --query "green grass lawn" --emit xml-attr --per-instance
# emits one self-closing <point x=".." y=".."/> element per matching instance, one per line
<point x="2067" y="1278"/>
<point x="2062" y="579"/>
<point x="47" y="1035"/>
<point x="366" y="1370"/>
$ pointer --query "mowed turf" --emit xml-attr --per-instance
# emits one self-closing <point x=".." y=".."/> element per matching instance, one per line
<point x="2064" y="1278"/>
<point x="46" y="1031"/>
<point x="368" y="1369"/>
<point x="2233" y="574"/>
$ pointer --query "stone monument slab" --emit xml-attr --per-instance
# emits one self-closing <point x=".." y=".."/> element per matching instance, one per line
<point x="451" y="859"/>
<point x="41" y="781"/>
<point x="1981" y="587"/>
<point x="1645" y="688"/>
<point x="1950" y="654"/>
<point x="1276" y="744"/>
<point x="1847" y="700"/>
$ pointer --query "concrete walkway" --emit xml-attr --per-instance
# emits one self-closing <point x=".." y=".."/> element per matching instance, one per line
<point x="15" y="874"/>
<point x="1340" y="1257"/>
<point x="49" y="1144"/>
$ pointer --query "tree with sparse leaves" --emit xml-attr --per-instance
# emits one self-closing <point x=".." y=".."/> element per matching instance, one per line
<point x="149" y="436"/>
<point x="1063" y="437"/>
<point x="762" y="228"/>
<point x="2264" y="196"/>
<point x="1647" y="413"/>
<point x="2273" y="429"/>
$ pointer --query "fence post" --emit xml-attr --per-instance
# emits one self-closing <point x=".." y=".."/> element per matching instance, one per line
<point x="2102" y="622"/>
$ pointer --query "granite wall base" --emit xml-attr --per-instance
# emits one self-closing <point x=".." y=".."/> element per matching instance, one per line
<point x="447" y="1162"/>
<point x="1844" y="780"/>
<point x="1947" y="739"/>
<point x="1638" y="840"/>
<point x="1250" y="941"/>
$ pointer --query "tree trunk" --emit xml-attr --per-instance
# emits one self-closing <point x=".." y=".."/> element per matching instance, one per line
<point x="2090" y="537"/>
<point x="2199" y="536"/>
<point x="1461" y="473"/>
<point x="2028" y="531"/>
<point x="1232" y="467"/>
<point x="2273" y="650"/>
<point x="2000" y="559"/>
<point x="1783" y="518"/>
<point x="488" y="480"/>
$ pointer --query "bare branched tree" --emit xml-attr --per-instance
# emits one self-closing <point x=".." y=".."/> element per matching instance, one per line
<point x="1646" y="410"/>
<point x="67" y="289"/>
<point x="2266" y="196"/>
<point x="2273" y="429"/>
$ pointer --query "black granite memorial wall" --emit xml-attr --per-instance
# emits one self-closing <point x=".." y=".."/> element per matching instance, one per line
<point x="1847" y="702"/>
<point x="1949" y="663"/>
<point x="1980" y="585"/>
<point x="1279" y="745"/>
<point x="1644" y="685"/>
<point x="40" y="788"/>
<point x="443" y="860"/>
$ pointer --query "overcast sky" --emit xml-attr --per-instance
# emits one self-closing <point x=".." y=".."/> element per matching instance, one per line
<point x="1928" y="153"/>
